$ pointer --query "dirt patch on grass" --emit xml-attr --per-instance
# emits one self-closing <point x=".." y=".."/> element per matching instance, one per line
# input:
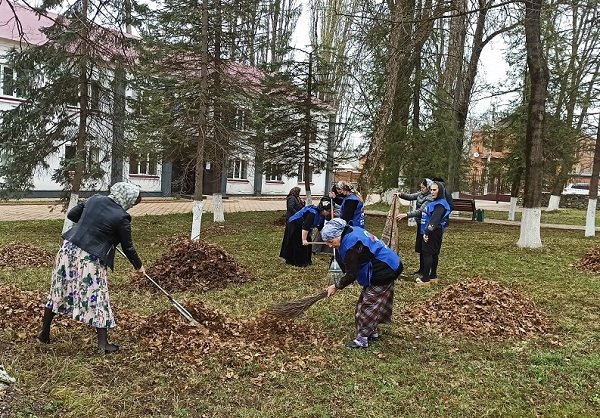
<point x="194" y="265"/>
<point x="16" y="254"/>
<point x="480" y="309"/>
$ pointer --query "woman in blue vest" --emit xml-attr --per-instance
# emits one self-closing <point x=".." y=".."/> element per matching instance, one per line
<point x="295" y="247"/>
<point x="352" y="209"/>
<point x="422" y="198"/>
<point x="367" y="260"/>
<point x="433" y="225"/>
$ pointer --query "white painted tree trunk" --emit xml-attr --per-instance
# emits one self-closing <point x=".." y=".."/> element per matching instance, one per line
<point x="196" y="219"/>
<point x="513" y="208"/>
<point x="412" y="221"/>
<point x="530" y="228"/>
<point x="388" y="196"/>
<point x="590" y="218"/>
<point x="72" y="203"/>
<point x="218" y="209"/>
<point x="553" y="203"/>
<point x="308" y="198"/>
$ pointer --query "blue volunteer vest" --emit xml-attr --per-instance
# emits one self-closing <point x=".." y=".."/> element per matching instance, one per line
<point x="300" y="214"/>
<point x="358" y="219"/>
<point x="426" y="217"/>
<point x="381" y="252"/>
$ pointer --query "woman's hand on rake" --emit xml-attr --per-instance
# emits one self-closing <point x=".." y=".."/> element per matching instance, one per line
<point x="331" y="290"/>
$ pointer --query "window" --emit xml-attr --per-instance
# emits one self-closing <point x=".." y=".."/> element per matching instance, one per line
<point x="273" y="172"/>
<point x="301" y="173"/>
<point x="237" y="169"/>
<point x="241" y="116"/>
<point x="143" y="164"/>
<point x="92" y="158"/>
<point x="94" y="95"/>
<point x="7" y="79"/>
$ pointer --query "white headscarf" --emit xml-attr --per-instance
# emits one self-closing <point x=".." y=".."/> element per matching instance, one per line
<point x="333" y="229"/>
<point x="125" y="194"/>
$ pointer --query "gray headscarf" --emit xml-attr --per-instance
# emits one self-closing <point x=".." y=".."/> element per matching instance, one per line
<point x="125" y="194"/>
<point x="333" y="229"/>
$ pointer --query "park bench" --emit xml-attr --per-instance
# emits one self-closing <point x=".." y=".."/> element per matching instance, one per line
<point x="465" y="205"/>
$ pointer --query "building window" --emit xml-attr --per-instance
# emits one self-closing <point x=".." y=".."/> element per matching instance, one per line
<point x="237" y="169"/>
<point x="241" y="119"/>
<point x="94" y="95"/>
<point x="273" y="172"/>
<point x="6" y="80"/>
<point x="301" y="173"/>
<point x="143" y="164"/>
<point x="92" y="158"/>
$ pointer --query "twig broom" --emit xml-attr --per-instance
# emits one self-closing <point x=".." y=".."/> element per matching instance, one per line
<point x="290" y="310"/>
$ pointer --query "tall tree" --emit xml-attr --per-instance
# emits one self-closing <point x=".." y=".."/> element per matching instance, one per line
<point x="538" y="70"/>
<point x="66" y="82"/>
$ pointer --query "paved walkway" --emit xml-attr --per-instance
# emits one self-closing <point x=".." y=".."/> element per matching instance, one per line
<point x="40" y="209"/>
<point x="48" y="209"/>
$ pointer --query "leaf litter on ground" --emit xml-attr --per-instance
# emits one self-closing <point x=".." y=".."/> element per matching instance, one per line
<point x="166" y="336"/>
<point x="480" y="309"/>
<point x="590" y="262"/>
<point x="15" y="254"/>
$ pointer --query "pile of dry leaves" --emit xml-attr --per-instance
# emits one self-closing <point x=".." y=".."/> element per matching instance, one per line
<point x="194" y="265"/>
<point x="481" y="309"/>
<point x="15" y="254"/>
<point x="21" y="311"/>
<point x="590" y="262"/>
<point x="168" y="335"/>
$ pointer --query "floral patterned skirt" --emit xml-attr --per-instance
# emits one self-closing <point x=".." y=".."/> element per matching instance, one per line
<point x="79" y="288"/>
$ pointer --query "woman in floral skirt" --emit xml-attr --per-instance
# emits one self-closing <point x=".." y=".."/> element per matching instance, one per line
<point x="79" y="281"/>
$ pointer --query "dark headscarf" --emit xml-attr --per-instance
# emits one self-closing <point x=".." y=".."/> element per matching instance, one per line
<point x="441" y="191"/>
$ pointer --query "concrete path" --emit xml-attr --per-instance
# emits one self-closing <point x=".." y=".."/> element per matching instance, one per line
<point x="48" y="209"/>
<point x="40" y="209"/>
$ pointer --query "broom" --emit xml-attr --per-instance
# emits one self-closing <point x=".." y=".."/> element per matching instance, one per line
<point x="290" y="310"/>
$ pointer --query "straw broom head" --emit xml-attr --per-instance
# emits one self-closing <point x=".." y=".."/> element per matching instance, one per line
<point x="290" y="310"/>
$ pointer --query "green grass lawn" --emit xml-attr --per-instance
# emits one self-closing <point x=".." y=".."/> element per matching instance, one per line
<point x="410" y="372"/>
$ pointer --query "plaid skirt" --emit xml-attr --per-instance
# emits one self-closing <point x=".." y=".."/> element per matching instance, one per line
<point x="374" y="307"/>
<point x="79" y="288"/>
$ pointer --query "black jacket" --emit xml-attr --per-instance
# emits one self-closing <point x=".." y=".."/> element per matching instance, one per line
<point x="101" y="224"/>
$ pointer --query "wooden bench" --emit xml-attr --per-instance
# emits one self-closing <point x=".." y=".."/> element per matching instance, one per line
<point x="465" y="205"/>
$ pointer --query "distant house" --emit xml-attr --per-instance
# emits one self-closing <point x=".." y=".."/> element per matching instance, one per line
<point x="154" y="176"/>
<point x="486" y="154"/>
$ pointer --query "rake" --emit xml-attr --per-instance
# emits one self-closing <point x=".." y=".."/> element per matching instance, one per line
<point x="184" y="312"/>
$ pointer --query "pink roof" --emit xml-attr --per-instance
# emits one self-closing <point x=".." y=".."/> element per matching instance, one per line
<point x="30" y="21"/>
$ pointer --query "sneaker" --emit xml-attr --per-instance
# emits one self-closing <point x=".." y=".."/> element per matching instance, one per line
<point x="434" y="280"/>
<point x="374" y="337"/>
<point x="420" y="282"/>
<point x="356" y="343"/>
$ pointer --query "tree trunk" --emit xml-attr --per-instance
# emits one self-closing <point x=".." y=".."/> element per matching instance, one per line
<point x="514" y="195"/>
<point x="80" y="149"/>
<point x="308" y="132"/>
<point x="538" y="70"/>
<point x="401" y="59"/>
<point x="220" y="140"/>
<point x="202" y="128"/>
<point x="590" y="218"/>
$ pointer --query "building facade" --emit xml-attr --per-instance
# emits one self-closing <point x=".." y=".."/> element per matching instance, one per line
<point x="155" y="177"/>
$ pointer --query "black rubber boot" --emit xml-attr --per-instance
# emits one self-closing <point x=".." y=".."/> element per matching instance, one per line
<point x="104" y="347"/>
<point x="44" y="334"/>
